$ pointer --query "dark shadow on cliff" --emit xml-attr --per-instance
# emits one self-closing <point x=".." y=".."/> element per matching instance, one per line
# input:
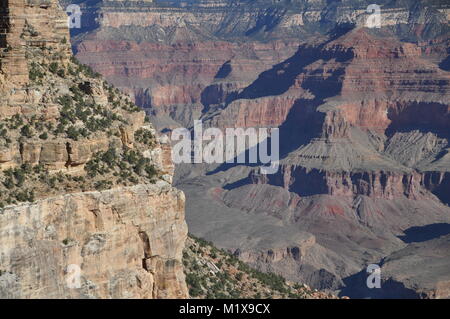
<point x="423" y="117"/>
<point x="420" y="234"/>
<point x="442" y="191"/>
<point x="445" y="64"/>
<point x="267" y="21"/>
<point x="303" y="121"/>
<point x="246" y="154"/>
<point x="281" y="76"/>
<point x="224" y="70"/>
<point x="356" y="288"/>
<point x="237" y="184"/>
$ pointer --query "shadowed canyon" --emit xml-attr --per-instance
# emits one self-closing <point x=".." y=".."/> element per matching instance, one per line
<point x="363" y="113"/>
<point x="364" y="120"/>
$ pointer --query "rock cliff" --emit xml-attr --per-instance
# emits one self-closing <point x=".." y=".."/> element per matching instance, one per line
<point x="363" y="116"/>
<point x="168" y="56"/>
<point x="87" y="208"/>
<point x="360" y="143"/>
<point x="124" y="243"/>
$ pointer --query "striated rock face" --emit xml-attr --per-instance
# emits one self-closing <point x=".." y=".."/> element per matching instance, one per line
<point x="377" y="184"/>
<point x="127" y="243"/>
<point x="363" y="117"/>
<point x="29" y="23"/>
<point x="175" y="82"/>
<point x="177" y="60"/>
<point x="87" y="207"/>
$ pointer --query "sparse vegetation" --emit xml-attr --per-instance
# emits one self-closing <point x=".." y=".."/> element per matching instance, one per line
<point x="129" y="166"/>
<point x="215" y="273"/>
<point x="145" y="137"/>
<point x="103" y="171"/>
<point x="35" y="73"/>
<point x="81" y="108"/>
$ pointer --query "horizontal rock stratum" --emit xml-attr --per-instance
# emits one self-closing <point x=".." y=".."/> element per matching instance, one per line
<point x="363" y="115"/>
<point x="127" y="243"/>
<point x="87" y="207"/>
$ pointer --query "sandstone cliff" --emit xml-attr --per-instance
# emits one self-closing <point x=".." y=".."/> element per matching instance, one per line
<point x="124" y="243"/>
<point x="87" y="209"/>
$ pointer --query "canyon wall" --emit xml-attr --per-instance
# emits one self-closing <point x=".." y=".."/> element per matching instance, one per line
<point x="87" y="206"/>
<point x="123" y="243"/>
<point x="363" y="115"/>
<point x="168" y="56"/>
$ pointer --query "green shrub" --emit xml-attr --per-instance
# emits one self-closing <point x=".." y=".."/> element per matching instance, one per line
<point x="53" y="67"/>
<point x="145" y="137"/>
<point x="43" y="136"/>
<point x="193" y="282"/>
<point x="35" y="73"/>
<point x="26" y="131"/>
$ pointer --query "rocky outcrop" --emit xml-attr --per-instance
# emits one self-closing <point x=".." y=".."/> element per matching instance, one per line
<point x="87" y="207"/>
<point x="30" y="23"/>
<point x="433" y="281"/>
<point x="376" y="184"/>
<point x="123" y="243"/>
<point x="428" y="251"/>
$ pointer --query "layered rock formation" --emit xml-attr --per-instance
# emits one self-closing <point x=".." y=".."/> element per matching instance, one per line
<point x="363" y="116"/>
<point x="31" y="23"/>
<point x="369" y="134"/>
<point x="124" y="243"/>
<point x="87" y="209"/>
<point x="168" y="56"/>
<point x="362" y="147"/>
<point x="175" y="82"/>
